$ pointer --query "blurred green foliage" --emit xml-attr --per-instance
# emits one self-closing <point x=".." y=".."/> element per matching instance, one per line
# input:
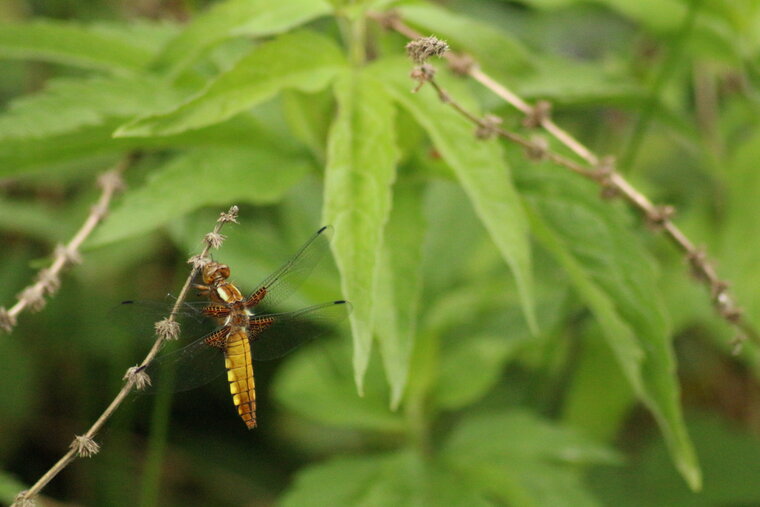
<point x="516" y="339"/>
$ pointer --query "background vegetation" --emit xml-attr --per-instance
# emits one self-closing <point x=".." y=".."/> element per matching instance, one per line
<point x="517" y="339"/>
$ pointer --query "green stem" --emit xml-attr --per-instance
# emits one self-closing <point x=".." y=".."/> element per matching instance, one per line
<point x="662" y="76"/>
<point x="358" y="37"/>
<point x="422" y="380"/>
<point x="353" y="26"/>
<point x="159" y="425"/>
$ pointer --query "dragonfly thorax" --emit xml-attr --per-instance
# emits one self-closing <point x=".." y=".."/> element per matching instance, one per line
<point x="227" y="293"/>
<point x="218" y="288"/>
<point x="238" y="319"/>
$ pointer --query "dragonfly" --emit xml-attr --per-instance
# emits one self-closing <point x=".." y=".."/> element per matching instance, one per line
<point x="247" y="328"/>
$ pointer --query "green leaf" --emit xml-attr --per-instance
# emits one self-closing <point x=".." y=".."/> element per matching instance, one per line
<point x="478" y="165"/>
<point x="730" y="457"/>
<point x="660" y="15"/>
<point x="524" y="460"/>
<point x="579" y="82"/>
<point x="492" y="437"/>
<point x="550" y="4"/>
<point x="447" y="209"/>
<point x="16" y="404"/>
<point x="721" y="29"/>
<point x="599" y="413"/>
<point x="238" y="18"/>
<point x="301" y="60"/>
<point x="584" y="83"/>
<point x="400" y="478"/>
<point x="32" y="219"/>
<point x="71" y="44"/>
<point x="9" y="487"/>
<point x="356" y="481"/>
<point x="398" y="286"/>
<point x="94" y="147"/>
<point x="309" y="116"/>
<point x="715" y="33"/>
<point x="143" y="33"/>
<point x="65" y="151"/>
<point x="495" y="49"/>
<point x="317" y="383"/>
<point x="200" y="178"/>
<point x="69" y="104"/>
<point x="361" y="167"/>
<point x="470" y="368"/>
<point x="615" y="277"/>
<point x="739" y="239"/>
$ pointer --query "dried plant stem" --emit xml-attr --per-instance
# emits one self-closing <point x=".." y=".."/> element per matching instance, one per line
<point x="600" y="169"/>
<point x="167" y="329"/>
<point x="552" y="128"/>
<point x="48" y="279"/>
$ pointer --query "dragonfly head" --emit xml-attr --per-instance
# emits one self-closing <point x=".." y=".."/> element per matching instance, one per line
<point x="214" y="272"/>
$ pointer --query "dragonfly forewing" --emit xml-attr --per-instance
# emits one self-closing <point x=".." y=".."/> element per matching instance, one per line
<point x="139" y="318"/>
<point x="290" y="276"/>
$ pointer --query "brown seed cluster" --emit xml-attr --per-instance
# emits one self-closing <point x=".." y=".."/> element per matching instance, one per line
<point x="419" y="50"/>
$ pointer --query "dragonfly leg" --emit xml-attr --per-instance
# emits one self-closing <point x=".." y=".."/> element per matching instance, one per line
<point x="203" y="290"/>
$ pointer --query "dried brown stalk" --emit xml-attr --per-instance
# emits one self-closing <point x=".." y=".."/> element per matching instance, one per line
<point x="49" y="279"/>
<point x="599" y="169"/>
<point x="167" y="329"/>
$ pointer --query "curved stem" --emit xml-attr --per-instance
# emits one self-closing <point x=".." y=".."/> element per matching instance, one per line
<point x="84" y="445"/>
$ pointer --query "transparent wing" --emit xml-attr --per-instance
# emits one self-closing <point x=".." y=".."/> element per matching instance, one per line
<point x="140" y="316"/>
<point x="186" y="368"/>
<point x="288" y="277"/>
<point x="276" y="334"/>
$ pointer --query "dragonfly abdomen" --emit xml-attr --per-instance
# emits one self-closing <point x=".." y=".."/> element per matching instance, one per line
<point x="240" y="375"/>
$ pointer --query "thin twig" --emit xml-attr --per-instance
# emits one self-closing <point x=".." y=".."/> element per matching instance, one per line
<point x="85" y="445"/>
<point x="48" y="279"/>
<point x="599" y="169"/>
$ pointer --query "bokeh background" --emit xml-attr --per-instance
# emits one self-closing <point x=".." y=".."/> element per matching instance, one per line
<point x="667" y="86"/>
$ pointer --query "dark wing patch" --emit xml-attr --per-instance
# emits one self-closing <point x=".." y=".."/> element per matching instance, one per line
<point x="189" y="367"/>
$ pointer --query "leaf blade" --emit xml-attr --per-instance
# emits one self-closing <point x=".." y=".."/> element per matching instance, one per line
<point x="59" y="108"/>
<point x="481" y="170"/>
<point x="174" y="190"/>
<point x="317" y="383"/>
<point x="398" y="478"/>
<point x="71" y="44"/>
<point x="361" y="167"/>
<point x="301" y="60"/>
<point x="487" y="43"/>
<point x="615" y="277"/>
<point x="538" y="468"/>
<point x="237" y="18"/>
<point x="398" y="286"/>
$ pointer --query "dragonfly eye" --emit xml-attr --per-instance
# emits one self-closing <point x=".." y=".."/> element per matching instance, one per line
<point x="223" y="271"/>
<point x="214" y="271"/>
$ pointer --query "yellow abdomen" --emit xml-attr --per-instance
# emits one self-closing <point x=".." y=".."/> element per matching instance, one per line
<point x="240" y="376"/>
